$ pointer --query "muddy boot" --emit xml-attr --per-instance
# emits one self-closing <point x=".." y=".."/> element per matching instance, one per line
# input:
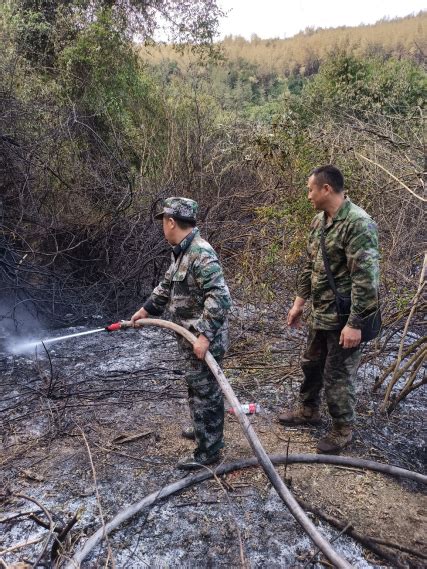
<point x="301" y="415"/>
<point x="337" y="438"/>
<point x="188" y="433"/>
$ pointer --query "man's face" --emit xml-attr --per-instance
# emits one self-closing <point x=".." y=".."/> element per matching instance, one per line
<point x="318" y="194"/>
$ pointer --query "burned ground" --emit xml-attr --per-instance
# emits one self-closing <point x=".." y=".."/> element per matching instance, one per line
<point x="96" y="426"/>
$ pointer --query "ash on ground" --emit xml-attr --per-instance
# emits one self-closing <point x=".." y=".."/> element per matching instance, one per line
<point x="92" y="425"/>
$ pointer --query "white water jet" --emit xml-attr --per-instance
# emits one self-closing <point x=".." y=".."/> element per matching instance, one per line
<point x="27" y="346"/>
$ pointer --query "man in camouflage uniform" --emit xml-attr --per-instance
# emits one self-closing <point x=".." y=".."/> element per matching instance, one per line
<point x="198" y="299"/>
<point x="332" y="354"/>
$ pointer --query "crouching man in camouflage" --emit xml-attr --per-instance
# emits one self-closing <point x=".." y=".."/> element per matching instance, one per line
<point x="332" y="355"/>
<point x="199" y="300"/>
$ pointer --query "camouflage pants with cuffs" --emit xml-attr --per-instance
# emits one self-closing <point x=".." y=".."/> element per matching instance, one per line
<point x="205" y="400"/>
<point x="326" y="364"/>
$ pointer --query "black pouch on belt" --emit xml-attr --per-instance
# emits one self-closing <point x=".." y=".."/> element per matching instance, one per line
<point x="371" y="324"/>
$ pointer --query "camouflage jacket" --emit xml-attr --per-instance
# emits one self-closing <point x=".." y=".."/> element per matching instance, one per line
<point x="194" y="290"/>
<point x="351" y="240"/>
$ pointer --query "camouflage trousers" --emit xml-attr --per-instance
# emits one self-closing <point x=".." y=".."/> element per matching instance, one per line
<point x="326" y="364"/>
<point x="205" y="400"/>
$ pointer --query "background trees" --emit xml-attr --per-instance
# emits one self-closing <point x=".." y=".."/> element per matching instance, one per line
<point x="96" y="127"/>
<point x="84" y="140"/>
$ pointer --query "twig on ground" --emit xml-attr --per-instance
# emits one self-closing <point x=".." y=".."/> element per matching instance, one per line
<point x="287" y="455"/>
<point x="51" y="524"/>
<point x="17" y="546"/>
<point x="399" y="546"/>
<point x="316" y="553"/>
<point x="51" y="381"/>
<point x="243" y="560"/>
<point x="347" y="528"/>
<point x="98" y="499"/>
<point x="62" y="534"/>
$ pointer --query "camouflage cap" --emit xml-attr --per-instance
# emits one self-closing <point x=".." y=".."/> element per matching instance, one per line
<point x="179" y="208"/>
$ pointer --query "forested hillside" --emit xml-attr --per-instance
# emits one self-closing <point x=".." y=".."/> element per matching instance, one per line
<point x="302" y="53"/>
<point x="95" y="129"/>
<point x="264" y="68"/>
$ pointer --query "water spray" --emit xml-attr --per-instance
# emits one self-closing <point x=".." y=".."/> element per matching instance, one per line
<point x="38" y="343"/>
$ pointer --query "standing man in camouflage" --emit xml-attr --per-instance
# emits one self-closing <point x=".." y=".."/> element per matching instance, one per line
<point x="332" y="355"/>
<point x="198" y="299"/>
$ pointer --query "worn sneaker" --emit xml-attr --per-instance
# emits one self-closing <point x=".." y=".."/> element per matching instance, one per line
<point x="337" y="438"/>
<point x="301" y="415"/>
<point x="188" y="433"/>
<point x="191" y="463"/>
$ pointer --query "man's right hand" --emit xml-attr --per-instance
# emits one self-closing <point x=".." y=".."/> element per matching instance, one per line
<point x="142" y="313"/>
<point x="295" y="313"/>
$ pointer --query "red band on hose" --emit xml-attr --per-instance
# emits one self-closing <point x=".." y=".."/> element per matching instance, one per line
<point x="113" y="327"/>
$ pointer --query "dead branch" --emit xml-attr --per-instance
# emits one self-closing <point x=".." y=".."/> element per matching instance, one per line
<point x="345" y="527"/>
<point x="399" y="546"/>
<point x="396" y="374"/>
<point x="410" y="349"/>
<point x="410" y="384"/>
<point x="392" y="176"/>
<point x="98" y="499"/>
<point x="62" y="535"/>
<point x="243" y="560"/>
<point x="48" y="516"/>
<point x="21" y="545"/>
<point x="419" y="355"/>
<point x="316" y="553"/>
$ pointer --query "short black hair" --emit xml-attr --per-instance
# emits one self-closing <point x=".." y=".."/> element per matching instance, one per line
<point x="182" y="223"/>
<point x="329" y="175"/>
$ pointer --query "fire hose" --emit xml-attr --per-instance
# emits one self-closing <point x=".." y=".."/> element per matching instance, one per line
<point x="321" y="542"/>
<point x="153" y="498"/>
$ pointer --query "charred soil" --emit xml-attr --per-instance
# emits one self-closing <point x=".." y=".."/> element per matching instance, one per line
<point x="94" y="425"/>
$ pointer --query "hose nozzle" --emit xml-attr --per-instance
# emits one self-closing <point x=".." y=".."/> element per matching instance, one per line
<point x="113" y="327"/>
<point x="118" y="326"/>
